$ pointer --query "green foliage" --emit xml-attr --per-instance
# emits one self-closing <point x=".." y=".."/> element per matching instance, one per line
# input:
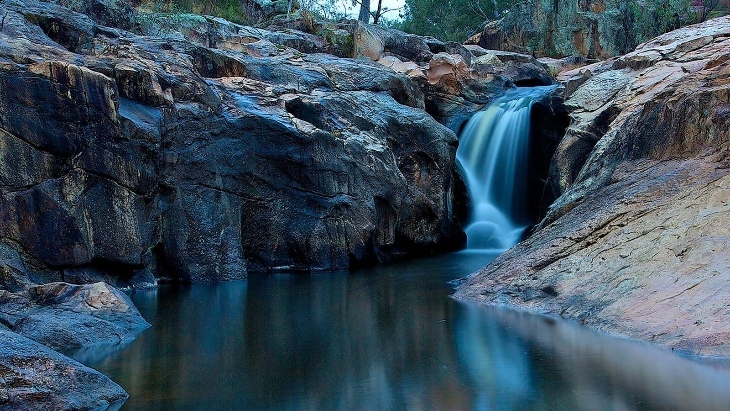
<point x="327" y="9"/>
<point x="228" y="9"/>
<point x="651" y="18"/>
<point x="451" y="19"/>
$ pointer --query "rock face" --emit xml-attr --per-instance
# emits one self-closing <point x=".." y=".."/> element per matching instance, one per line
<point x="161" y="155"/>
<point x="637" y="242"/>
<point x="589" y="28"/>
<point x="195" y="149"/>
<point x="33" y="377"/>
<point x="457" y="80"/>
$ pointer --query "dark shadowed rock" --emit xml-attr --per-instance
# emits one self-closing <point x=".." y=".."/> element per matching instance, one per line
<point x="206" y="149"/>
<point x="33" y="377"/>
<point x="199" y="149"/>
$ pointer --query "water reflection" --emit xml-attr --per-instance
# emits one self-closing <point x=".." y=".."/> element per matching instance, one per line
<point x="386" y="339"/>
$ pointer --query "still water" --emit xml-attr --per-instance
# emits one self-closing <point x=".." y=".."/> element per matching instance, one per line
<point x="387" y="338"/>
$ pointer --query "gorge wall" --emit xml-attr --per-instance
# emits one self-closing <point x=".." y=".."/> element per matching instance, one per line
<point x="195" y="149"/>
<point x="144" y="148"/>
<point x="596" y="29"/>
<point x="637" y="242"/>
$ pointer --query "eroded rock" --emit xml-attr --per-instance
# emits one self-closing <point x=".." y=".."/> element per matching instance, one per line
<point x="636" y="242"/>
<point x="64" y="316"/>
<point x="33" y="377"/>
<point x="205" y="149"/>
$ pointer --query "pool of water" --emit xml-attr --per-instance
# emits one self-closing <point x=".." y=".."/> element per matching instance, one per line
<point x="387" y="338"/>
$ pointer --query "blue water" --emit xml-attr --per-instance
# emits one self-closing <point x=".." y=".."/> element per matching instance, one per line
<point x="387" y="338"/>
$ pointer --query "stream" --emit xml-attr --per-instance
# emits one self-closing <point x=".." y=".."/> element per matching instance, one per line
<point x="386" y="338"/>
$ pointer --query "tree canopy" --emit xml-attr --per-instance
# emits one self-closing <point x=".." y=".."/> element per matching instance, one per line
<point x="451" y="19"/>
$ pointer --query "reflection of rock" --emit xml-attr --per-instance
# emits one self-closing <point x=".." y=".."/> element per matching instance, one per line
<point x="637" y="242"/>
<point x="598" y="367"/>
<point x="33" y="377"/>
<point x="495" y="361"/>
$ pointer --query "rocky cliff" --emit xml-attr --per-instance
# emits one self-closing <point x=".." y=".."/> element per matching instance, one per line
<point x="589" y="28"/>
<point x="195" y="149"/>
<point x="137" y="148"/>
<point x="637" y="242"/>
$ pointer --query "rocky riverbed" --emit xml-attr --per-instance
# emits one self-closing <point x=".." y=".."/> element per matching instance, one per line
<point x="143" y="148"/>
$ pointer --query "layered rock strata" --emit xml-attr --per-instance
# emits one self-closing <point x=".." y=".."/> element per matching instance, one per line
<point x="199" y="150"/>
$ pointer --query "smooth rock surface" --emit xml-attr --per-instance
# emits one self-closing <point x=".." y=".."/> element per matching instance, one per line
<point x="33" y="377"/>
<point x="65" y="316"/>
<point x="637" y="242"/>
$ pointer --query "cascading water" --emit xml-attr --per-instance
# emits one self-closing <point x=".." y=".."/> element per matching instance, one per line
<point x="493" y="150"/>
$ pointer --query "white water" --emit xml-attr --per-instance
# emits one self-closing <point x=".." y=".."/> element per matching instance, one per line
<point x="493" y="150"/>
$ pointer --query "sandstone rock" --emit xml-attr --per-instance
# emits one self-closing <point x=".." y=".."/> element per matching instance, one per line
<point x="448" y="70"/>
<point x="456" y="90"/>
<point x="635" y="243"/>
<point x="33" y="377"/>
<point x="557" y="66"/>
<point x="375" y="42"/>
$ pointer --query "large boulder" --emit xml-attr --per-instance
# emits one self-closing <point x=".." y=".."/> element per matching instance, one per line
<point x="636" y="244"/>
<point x="33" y="377"/>
<point x="64" y="316"/>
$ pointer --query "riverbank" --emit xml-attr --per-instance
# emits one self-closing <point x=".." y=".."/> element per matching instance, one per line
<point x="387" y="337"/>
<point x="638" y="242"/>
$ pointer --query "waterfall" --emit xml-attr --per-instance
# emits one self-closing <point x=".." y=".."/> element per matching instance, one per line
<point x="493" y="149"/>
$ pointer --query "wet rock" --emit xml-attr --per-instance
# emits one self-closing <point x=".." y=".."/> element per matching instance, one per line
<point x="33" y="377"/>
<point x="64" y="316"/>
<point x="635" y="244"/>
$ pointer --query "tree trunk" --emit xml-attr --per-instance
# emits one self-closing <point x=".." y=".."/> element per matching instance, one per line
<point x="376" y="19"/>
<point x="364" y="11"/>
